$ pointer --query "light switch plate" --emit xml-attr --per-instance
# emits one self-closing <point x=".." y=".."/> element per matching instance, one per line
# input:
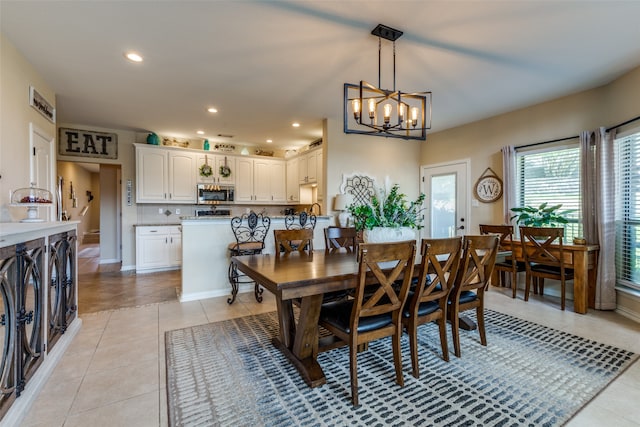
<point x="177" y="211"/>
<point x="160" y="211"/>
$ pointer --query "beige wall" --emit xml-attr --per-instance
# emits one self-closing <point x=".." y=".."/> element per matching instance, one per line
<point x="563" y="117"/>
<point x="81" y="179"/>
<point x="379" y="157"/>
<point x="16" y="75"/>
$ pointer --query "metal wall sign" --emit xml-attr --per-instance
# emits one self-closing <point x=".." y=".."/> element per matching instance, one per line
<point x="43" y="106"/>
<point x="87" y="143"/>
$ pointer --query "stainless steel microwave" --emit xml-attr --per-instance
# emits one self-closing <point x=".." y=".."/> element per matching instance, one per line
<point x="210" y="194"/>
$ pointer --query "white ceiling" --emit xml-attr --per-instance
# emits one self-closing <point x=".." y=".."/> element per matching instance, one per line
<point x="267" y="64"/>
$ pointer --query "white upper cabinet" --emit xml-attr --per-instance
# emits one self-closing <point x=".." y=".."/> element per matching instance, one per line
<point x="309" y="166"/>
<point x="260" y="180"/>
<point x="293" y="186"/>
<point x="166" y="176"/>
<point x="217" y="163"/>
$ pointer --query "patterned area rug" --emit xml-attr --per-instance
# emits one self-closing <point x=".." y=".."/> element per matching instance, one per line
<point x="229" y="374"/>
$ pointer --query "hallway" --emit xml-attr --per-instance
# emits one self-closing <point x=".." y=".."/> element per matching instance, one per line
<point x="104" y="287"/>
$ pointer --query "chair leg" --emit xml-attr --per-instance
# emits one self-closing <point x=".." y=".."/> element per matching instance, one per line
<point x="397" y="355"/>
<point x="442" y="325"/>
<point x="514" y="283"/>
<point x="455" y="331"/>
<point x="541" y="286"/>
<point x="562" y="292"/>
<point x="527" y="287"/>
<point x="257" y="291"/>
<point x="353" y="365"/>
<point x="412" y="330"/>
<point x="481" y="330"/>
<point x="233" y="280"/>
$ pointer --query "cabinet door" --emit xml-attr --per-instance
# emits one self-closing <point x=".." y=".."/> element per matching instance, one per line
<point x="202" y="159"/>
<point x="278" y="181"/>
<point x="293" y="186"/>
<point x="319" y="175"/>
<point x="302" y="170"/>
<point x="244" y="180"/>
<point x="175" y="247"/>
<point x="231" y="164"/>
<point x="151" y="175"/>
<point x="312" y="167"/>
<point x="262" y="180"/>
<point x="151" y="248"/>
<point x="182" y="177"/>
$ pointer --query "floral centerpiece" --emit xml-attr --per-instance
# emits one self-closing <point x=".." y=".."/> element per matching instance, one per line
<point x="389" y="216"/>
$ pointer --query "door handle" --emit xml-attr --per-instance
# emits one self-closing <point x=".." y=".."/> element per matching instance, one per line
<point x="460" y="228"/>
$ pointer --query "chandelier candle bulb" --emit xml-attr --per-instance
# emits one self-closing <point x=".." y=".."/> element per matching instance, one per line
<point x="401" y="109"/>
<point x="372" y="108"/>
<point x="414" y="116"/>
<point x="356" y="109"/>
<point x="387" y="113"/>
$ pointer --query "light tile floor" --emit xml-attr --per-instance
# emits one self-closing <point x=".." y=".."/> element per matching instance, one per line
<point x="113" y="374"/>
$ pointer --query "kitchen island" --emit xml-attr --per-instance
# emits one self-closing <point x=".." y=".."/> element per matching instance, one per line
<point x="205" y="254"/>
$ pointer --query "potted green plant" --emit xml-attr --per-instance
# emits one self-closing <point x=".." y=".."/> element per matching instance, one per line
<point x="541" y="216"/>
<point x="388" y="217"/>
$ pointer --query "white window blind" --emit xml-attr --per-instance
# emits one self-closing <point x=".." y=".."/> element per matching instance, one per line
<point x="552" y="176"/>
<point x="627" y="174"/>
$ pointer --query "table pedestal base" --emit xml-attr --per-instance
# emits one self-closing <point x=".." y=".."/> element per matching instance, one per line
<point x="309" y="368"/>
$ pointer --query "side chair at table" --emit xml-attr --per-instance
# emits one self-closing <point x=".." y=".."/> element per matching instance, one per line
<point x="338" y="239"/>
<point x="287" y="241"/>
<point x="428" y="301"/>
<point x="250" y="231"/>
<point x="507" y="264"/>
<point x="374" y="312"/>
<point x="476" y="265"/>
<point x="542" y="262"/>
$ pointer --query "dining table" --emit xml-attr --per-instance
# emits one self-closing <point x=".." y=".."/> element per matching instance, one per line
<point x="583" y="259"/>
<point x="302" y="277"/>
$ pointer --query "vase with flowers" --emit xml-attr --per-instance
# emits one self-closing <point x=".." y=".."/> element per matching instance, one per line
<point x="389" y="216"/>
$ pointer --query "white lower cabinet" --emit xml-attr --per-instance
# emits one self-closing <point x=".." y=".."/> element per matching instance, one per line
<point x="158" y="248"/>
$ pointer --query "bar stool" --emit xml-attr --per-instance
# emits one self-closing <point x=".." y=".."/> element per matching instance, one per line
<point x="250" y="231"/>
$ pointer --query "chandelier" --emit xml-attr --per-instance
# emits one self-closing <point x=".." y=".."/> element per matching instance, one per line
<point x="371" y="110"/>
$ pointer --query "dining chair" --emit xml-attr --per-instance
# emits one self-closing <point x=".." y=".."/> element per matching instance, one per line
<point x="544" y="257"/>
<point x="507" y="264"/>
<point x="287" y="241"/>
<point x="428" y="301"/>
<point x="476" y="265"/>
<point x="250" y="231"/>
<point x="340" y="239"/>
<point x="299" y="221"/>
<point x="376" y="312"/>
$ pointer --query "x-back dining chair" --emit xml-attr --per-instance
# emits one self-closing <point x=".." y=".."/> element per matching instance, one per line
<point x="374" y="312"/>
<point x="507" y="264"/>
<point x="428" y="301"/>
<point x="478" y="258"/>
<point x="339" y="239"/>
<point x="250" y="231"/>
<point x="287" y="241"/>
<point x="543" y="262"/>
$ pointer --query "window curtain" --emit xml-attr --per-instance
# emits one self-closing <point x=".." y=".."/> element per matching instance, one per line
<point x="508" y="181"/>
<point x="598" y="203"/>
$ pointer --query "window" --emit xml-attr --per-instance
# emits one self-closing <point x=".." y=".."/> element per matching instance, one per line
<point x="627" y="210"/>
<point x="553" y="176"/>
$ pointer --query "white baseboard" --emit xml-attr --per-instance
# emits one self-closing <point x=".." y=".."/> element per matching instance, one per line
<point x="194" y="296"/>
<point x="127" y="267"/>
<point x="109" y="261"/>
<point x="22" y="404"/>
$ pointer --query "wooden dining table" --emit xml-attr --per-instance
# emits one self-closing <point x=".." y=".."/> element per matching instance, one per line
<point x="583" y="259"/>
<point x="307" y="277"/>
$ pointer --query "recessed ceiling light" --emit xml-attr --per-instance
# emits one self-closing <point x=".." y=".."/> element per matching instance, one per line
<point x="200" y="132"/>
<point x="269" y="141"/>
<point x="295" y="124"/>
<point x="133" y="57"/>
<point x="212" y="110"/>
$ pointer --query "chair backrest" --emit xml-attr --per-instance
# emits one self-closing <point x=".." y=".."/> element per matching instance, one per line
<point x="537" y="242"/>
<point x="293" y="240"/>
<point x="375" y="293"/>
<point x="477" y="262"/>
<point x="440" y="262"/>
<point x="339" y="239"/>
<point x="250" y="228"/>
<point x="300" y="221"/>
<point x="504" y="231"/>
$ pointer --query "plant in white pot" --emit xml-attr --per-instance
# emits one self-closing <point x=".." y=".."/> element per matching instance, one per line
<point x="388" y="217"/>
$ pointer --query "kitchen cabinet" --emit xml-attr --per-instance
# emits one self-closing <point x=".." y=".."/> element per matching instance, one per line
<point x="308" y="167"/>
<point x="260" y="180"/>
<point x="293" y="186"/>
<point x="158" y="248"/>
<point x="216" y="161"/>
<point x="165" y="175"/>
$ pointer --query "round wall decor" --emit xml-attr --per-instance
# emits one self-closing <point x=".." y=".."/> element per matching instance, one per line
<point x="488" y="187"/>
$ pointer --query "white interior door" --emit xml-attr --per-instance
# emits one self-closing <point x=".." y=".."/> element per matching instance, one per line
<point x="42" y="163"/>
<point x="446" y="188"/>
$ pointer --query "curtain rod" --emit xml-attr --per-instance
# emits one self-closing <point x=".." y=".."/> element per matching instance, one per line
<point x="574" y="137"/>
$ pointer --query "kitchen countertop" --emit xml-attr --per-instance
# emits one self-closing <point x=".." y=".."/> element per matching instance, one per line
<point x="158" y="224"/>
<point x="227" y="218"/>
